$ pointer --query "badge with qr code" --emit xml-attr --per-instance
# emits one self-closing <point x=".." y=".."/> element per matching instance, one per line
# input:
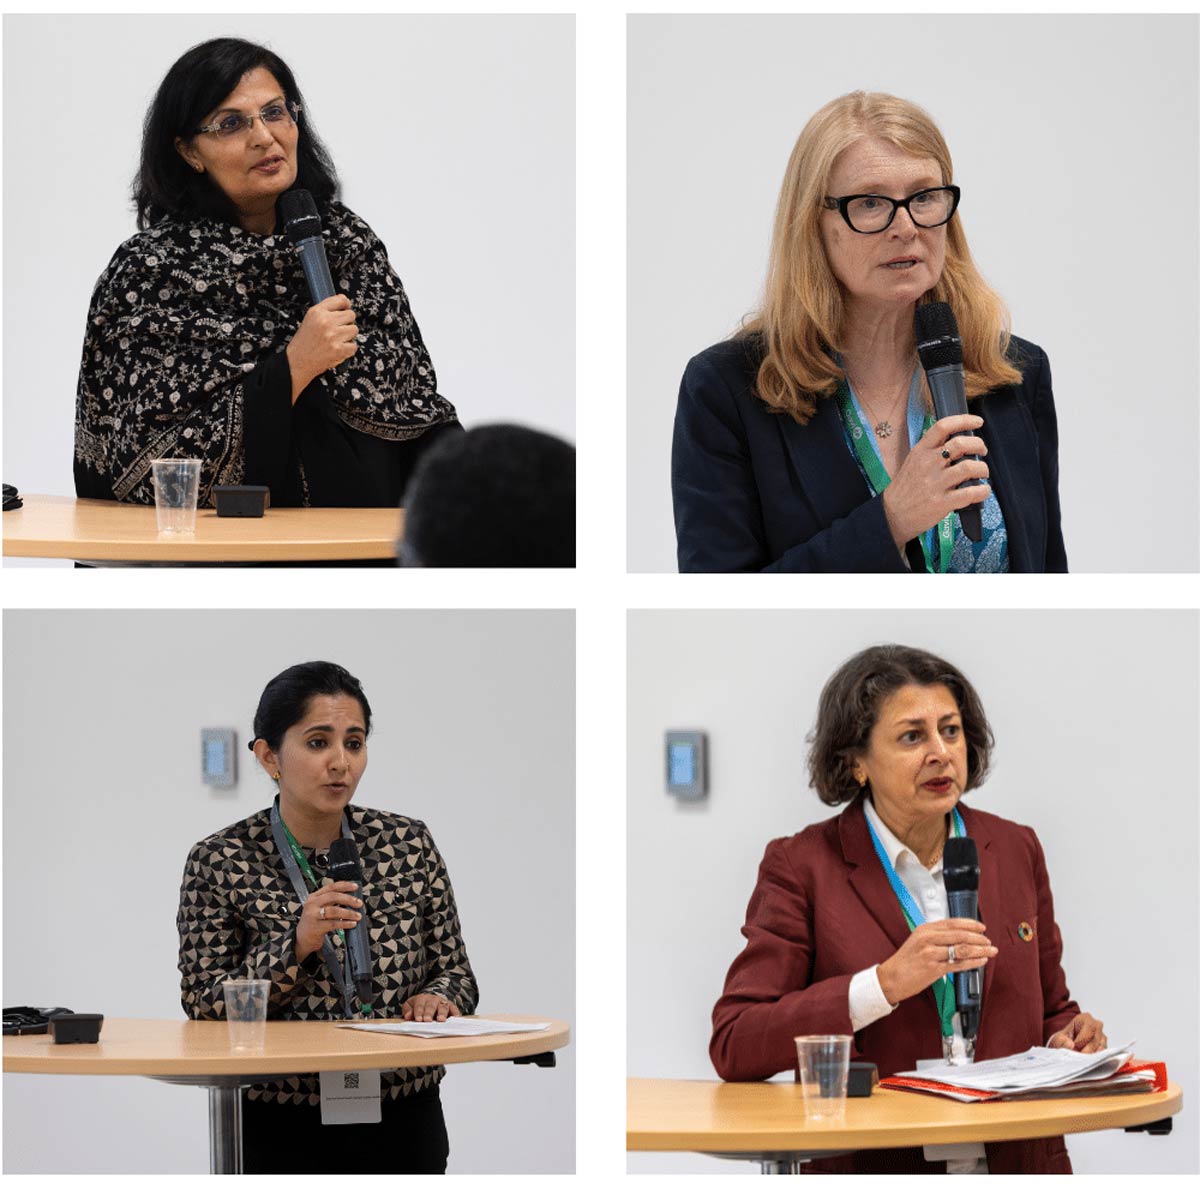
<point x="350" y="1096"/>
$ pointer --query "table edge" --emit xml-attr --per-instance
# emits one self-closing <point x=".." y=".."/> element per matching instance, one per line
<point x="1144" y="1109"/>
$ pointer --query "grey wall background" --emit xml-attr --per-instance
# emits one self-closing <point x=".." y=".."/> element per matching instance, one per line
<point x="454" y="137"/>
<point x="474" y="733"/>
<point x="1095" y="716"/>
<point x="1068" y="135"/>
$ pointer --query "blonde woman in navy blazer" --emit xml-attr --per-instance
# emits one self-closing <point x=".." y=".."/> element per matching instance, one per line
<point x="765" y="474"/>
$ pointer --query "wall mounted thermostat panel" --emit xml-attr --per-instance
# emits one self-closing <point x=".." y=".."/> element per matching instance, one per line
<point x="687" y="764"/>
<point x="218" y="758"/>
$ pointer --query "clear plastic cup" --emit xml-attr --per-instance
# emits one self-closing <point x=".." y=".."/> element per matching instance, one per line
<point x="246" y="1011"/>
<point x="824" y="1068"/>
<point x="176" y="485"/>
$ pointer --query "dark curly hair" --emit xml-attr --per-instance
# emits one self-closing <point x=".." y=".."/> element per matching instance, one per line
<point x="165" y="187"/>
<point x="849" y="708"/>
<point x="287" y="695"/>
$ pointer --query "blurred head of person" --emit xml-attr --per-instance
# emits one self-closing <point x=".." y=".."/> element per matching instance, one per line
<point x="497" y="495"/>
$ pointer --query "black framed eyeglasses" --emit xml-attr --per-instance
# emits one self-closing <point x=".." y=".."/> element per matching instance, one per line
<point x="233" y="123"/>
<point x="868" y="214"/>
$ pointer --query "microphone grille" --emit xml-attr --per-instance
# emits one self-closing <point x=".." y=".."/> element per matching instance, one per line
<point x="960" y="865"/>
<point x="938" y="343"/>
<point x="298" y="213"/>
<point x="343" y="852"/>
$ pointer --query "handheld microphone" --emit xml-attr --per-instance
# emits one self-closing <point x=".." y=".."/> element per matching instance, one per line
<point x="344" y="865"/>
<point x="302" y="224"/>
<point x="960" y="873"/>
<point x="941" y="354"/>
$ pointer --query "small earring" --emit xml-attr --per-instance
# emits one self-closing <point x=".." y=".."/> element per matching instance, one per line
<point x="198" y="168"/>
<point x="275" y="777"/>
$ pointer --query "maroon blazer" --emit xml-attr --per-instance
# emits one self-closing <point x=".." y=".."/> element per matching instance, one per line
<point x="823" y="910"/>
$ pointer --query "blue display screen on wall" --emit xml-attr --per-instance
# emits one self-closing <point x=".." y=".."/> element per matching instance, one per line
<point x="683" y="763"/>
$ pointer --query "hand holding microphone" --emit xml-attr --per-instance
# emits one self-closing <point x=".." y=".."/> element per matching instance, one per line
<point x="326" y="337"/>
<point x="925" y="957"/>
<point x="328" y="334"/>
<point x="328" y="909"/>
<point x="927" y="488"/>
<point x="941" y="353"/>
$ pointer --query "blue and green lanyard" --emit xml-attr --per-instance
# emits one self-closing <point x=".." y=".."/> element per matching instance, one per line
<point x="877" y="476"/>
<point x="943" y="989"/>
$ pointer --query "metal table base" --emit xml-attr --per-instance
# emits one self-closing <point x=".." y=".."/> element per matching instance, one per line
<point x="224" y="1116"/>
<point x="779" y="1163"/>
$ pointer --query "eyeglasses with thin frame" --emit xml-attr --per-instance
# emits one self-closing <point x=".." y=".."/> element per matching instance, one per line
<point x="234" y="123"/>
<point x="869" y="214"/>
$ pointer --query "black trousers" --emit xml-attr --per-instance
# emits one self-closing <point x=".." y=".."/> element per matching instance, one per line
<point x="286" y="1138"/>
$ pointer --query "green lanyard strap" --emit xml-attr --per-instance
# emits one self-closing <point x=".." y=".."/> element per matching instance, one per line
<point x="877" y="476"/>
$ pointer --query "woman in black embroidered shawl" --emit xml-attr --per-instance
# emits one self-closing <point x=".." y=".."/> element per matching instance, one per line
<point x="200" y="340"/>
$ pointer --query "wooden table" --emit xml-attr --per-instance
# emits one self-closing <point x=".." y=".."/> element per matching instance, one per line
<point x="764" y="1121"/>
<point x="106" y="531"/>
<point x="196" y="1053"/>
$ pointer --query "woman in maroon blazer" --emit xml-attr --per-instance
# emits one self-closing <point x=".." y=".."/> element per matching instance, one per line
<point x="901" y="735"/>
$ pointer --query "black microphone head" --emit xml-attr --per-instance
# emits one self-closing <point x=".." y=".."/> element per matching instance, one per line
<point x="938" y="343"/>
<point x="960" y="865"/>
<point x="298" y="214"/>
<point x="343" y="859"/>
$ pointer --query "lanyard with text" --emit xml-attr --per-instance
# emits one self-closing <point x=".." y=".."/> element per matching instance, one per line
<point x="878" y="477"/>
<point x="943" y="989"/>
<point x="304" y="880"/>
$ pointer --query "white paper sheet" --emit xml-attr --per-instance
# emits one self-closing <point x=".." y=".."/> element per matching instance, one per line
<point x="1036" y="1068"/>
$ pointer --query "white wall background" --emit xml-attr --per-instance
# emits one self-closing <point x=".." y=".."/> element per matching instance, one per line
<point x="1095" y="716"/>
<point x="454" y="137"/>
<point x="473" y="733"/>
<point x="1075" y="142"/>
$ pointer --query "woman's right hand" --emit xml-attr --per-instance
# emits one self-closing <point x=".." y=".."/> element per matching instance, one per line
<point x="924" y="957"/>
<point x="925" y="488"/>
<point x="339" y="905"/>
<point x="326" y="337"/>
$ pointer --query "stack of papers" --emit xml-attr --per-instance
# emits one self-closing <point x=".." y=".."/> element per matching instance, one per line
<point x="454" y="1026"/>
<point x="1036" y="1073"/>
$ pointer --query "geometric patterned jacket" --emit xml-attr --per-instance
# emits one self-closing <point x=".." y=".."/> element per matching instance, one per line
<point x="237" y="918"/>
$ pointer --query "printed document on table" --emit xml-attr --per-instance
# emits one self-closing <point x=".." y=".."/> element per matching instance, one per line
<point x="454" y="1026"/>
<point x="1037" y="1067"/>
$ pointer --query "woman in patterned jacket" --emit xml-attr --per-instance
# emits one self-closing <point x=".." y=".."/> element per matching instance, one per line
<point x="241" y="916"/>
<point x="201" y="342"/>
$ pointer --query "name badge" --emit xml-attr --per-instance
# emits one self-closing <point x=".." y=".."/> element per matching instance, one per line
<point x="351" y="1096"/>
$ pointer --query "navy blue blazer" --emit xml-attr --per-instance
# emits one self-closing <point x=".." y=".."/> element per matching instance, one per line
<point x="755" y="490"/>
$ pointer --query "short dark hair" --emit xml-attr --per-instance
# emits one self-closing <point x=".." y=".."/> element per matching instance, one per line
<point x="497" y="495"/>
<point x="287" y="695"/>
<point x="165" y="186"/>
<point x="849" y="708"/>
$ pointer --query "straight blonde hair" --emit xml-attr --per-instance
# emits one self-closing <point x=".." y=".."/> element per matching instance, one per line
<point x="803" y="311"/>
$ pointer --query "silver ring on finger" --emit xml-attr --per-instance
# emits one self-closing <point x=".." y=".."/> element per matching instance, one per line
<point x="950" y="955"/>
<point x="322" y="912"/>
